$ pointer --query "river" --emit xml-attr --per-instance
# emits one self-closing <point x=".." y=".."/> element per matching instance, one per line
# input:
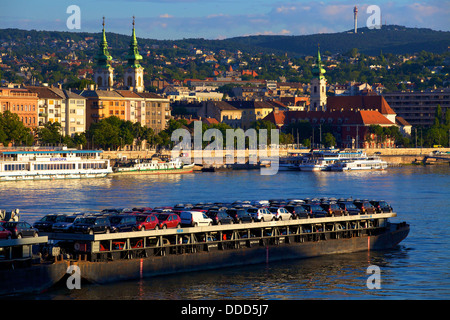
<point x="419" y="268"/>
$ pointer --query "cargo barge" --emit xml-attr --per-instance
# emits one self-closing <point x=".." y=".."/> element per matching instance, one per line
<point x="104" y="258"/>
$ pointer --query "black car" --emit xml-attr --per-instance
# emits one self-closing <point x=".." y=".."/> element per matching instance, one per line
<point x="381" y="206"/>
<point x="239" y="215"/>
<point x="92" y="225"/>
<point x="220" y="217"/>
<point x="349" y="207"/>
<point x="123" y="223"/>
<point x="314" y="210"/>
<point x="20" y="229"/>
<point x="297" y="211"/>
<point x="46" y="223"/>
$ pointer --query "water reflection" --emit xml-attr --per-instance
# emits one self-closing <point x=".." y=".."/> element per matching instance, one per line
<point x="331" y="277"/>
<point x="415" y="270"/>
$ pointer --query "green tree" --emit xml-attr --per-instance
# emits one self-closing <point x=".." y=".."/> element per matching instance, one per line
<point x="12" y="130"/>
<point x="329" y="140"/>
<point x="50" y="133"/>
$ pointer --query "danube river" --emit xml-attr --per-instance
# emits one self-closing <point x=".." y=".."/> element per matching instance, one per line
<point x="419" y="268"/>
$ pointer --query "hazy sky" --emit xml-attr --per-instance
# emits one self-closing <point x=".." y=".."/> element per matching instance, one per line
<point x="218" y="19"/>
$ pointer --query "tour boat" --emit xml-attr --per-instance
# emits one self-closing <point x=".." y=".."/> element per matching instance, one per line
<point x="371" y="163"/>
<point x="52" y="163"/>
<point x="322" y="160"/>
<point x="291" y="161"/>
<point x="152" y="166"/>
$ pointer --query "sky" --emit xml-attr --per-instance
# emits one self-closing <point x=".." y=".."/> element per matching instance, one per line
<point x="217" y="19"/>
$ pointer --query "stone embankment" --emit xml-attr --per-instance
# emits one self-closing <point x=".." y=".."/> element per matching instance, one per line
<point x="395" y="156"/>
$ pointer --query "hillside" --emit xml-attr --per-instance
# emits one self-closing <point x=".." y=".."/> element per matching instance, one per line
<point x="388" y="39"/>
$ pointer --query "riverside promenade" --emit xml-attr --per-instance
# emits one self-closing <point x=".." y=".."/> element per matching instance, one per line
<point x="396" y="156"/>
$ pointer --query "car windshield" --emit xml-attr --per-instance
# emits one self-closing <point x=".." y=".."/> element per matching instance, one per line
<point x="141" y="218"/>
<point x="273" y="210"/>
<point x="251" y="210"/>
<point x="162" y="217"/>
<point x="69" y="219"/>
<point x="114" y="220"/>
<point x="9" y="224"/>
<point x="85" y="220"/>
<point x="49" y="219"/>
<point x="316" y="207"/>
<point x="350" y="205"/>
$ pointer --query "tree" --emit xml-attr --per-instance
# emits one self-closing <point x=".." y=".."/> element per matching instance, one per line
<point x="13" y="130"/>
<point x="50" y="133"/>
<point x="329" y="140"/>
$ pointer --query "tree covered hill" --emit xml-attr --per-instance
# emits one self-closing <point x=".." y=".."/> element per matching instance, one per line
<point x="389" y="39"/>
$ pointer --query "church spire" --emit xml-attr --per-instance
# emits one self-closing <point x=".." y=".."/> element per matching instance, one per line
<point x="103" y="58"/>
<point x="133" y="56"/>
<point x="318" y="70"/>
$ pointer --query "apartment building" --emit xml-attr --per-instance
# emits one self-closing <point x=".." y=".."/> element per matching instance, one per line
<point x="419" y="107"/>
<point x="21" y="102"/>
<point x="75" y="111"/>
<point x="157" y="111"/>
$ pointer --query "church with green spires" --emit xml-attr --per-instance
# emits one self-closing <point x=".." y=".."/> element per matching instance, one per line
<point x="134" y="72"/>
<point x="318" y="98"/>
<point x="104" y="72"/>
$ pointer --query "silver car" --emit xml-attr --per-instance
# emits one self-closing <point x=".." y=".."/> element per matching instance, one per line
<point x="65" y="224"/>
<point x="281" y="213"/>
<point x="260" y="214"/>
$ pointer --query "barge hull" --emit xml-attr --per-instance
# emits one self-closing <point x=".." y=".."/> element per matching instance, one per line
<point x="33" y="279"/>
<point x="127" y="269"/>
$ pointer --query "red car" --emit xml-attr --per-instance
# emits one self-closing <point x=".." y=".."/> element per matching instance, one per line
<point x="169" y="220"/>
<point x="147" y="222"/>
<point x="5" y="234"/>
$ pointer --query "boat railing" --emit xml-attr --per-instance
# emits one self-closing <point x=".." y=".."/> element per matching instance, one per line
<point x="223" y="237"/>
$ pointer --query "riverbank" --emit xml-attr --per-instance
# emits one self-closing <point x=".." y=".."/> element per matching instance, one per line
<point x="397" y="156"/>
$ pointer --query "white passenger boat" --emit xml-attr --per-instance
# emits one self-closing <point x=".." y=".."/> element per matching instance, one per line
<point x="152" y="166"/>
<point x="322" y="160"/>
<point x="291" y="161"/>
<point x="52" y="163"/>
<point x="371" y="163"/>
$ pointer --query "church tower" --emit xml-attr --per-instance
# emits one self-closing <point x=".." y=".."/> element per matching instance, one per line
<point x="103" y="74"/>
<point x="318" y="98"/>
<point x="134" y="73"/>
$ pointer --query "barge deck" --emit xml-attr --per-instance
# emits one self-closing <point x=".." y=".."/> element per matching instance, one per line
<point x="113" y="257"/>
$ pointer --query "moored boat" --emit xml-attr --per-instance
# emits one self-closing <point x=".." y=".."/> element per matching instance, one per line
<point x="322" y="160"/>
<point x="291" y="161"/>
<point x="370" y="163"/>
<point x="152" y="166"/>
<point x="55" y="163"/>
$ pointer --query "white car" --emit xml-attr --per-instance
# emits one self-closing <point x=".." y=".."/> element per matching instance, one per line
<point x="281" y="213"/>
<point x="195" y="218"/>
<point x="260" y="214"/>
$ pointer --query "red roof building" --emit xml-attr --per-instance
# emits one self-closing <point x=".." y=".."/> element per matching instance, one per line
<point x="350" y="127"/>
